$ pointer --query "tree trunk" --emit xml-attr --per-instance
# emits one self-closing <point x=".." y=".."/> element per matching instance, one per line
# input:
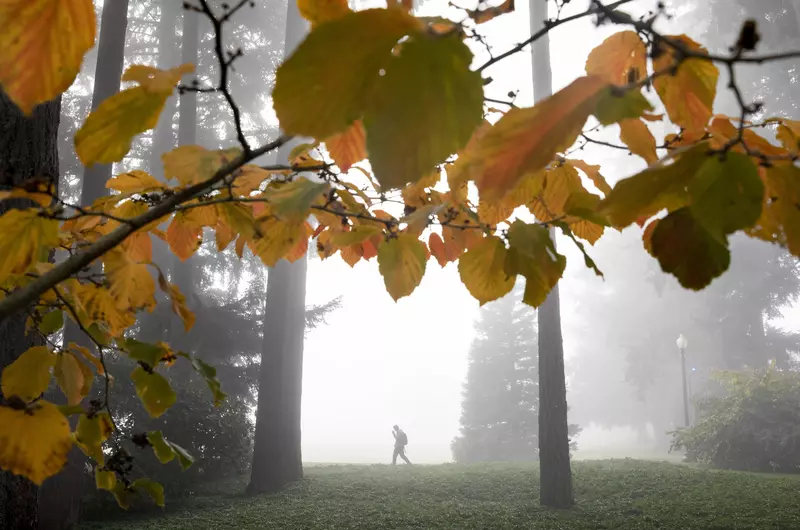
<point x="554" y="464"/>
<point x="60" y="498"/>
<point x="29" y="148"/>
<point x="168" y="48"/>
<point x="277" y="447"/>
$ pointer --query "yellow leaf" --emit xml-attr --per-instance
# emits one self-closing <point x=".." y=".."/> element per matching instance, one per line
<point x="482" y="270"/>
<point x="238" y="218"/>
<point x="349" y="146"/>
<point x="344" y="57"/>
<point x="91" y="432"/>
<point x="73" y="377"/>
<point x="184" y="235"/>
<point x="248" y="179"/>
<point x="135" y="181"/>
<point x="637" y="136"/>
<point x="130" y="283"/>
<point x="415" y="194"/>
<point x="34" y="442"/>
<point x="593" y="172"/>
<point x="277" y="239"/>
<point x="29" y="375"/>
<point x="527" y="189"/>
<point x="418" y="221"/>
<point x="104" y="480"/>
<point x="107" y="133"/>
<point x="101" y="306"/>
<point x="43" y="43"/>
<point x="789" y="135"/>
<point x="190" y="164"/>
<point x="494" y="213"/>
<point x="352" y="254"/>
<point x="688" y="95"/>
<point x="401" y="262"/>
<point x="781" y="212"/>
<point x="532" y="254"/>
<point x="40" y="191"/>
<point x="621" y="59"/>
<point x="154" y="391"/>
<point x="178" y="302"/>
<point x="319" y="11"/>
<point x="560" y="182"/>
<point x="722" y="131"/>
<point x="526" y="140"/>
<point x="86" y="354"/>
<point x="223" y="235"/>
<point x="24" y="236"/>
<point x="155" y="80"/>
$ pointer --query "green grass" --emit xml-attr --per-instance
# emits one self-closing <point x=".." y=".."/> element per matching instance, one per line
<point x="611" y="494"/>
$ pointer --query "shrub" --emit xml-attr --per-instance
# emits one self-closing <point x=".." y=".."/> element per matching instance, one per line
<point x="752" y="424"/>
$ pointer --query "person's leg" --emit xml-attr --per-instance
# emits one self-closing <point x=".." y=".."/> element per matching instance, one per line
<point x="394" y="456"/>
<point x="403" y="455"/>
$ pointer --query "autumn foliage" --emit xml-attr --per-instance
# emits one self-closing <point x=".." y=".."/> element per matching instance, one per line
<point x="379" y="86"/>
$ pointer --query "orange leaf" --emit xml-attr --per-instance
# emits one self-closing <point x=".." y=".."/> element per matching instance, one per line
<point x="319" y="11"/>
<point x="43" y="43"/>
<point x="437" y="249"/>
<point x="349" y="146"/>
<point x="526" y="140"/>
<point x="184" y="235"/>
<point x="621" y="59"/>
<point x="637" y="136"/>
<point x="480" y="16"/>
<point x="688" y="95"/>
<point x="593" y="172"/>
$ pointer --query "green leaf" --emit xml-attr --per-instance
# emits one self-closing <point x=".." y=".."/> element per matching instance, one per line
<point x="401" y="262"/>
<point x="533" y="254"/>
<point x="482" y="270"/>
<point x="186" y="460"/>
<point x="152" y="488"/>
<point x="292" y="201"/>
<point x="727" y="194"/>
<point x="209" y="373"/>
<point x="584" y="205"/>
<point x="123" y="495"/>
<point x="99" y="335"/>
<point x="105" y="480"/>
<point x="91" y="432"/>
<point x="423" y="110"/>
<point x="51" y="322"/>
<point x="154" y="391"/>
<point x="161" y="447"/>
<point x="149" y="354"/>
<point x="358" y="234"/>
<point x="587" y="259"/>
<point x="323" y="87"/>
<point x="654" y="189"/>
<point x="613" y="107"/>
<point x="688" y="251"/>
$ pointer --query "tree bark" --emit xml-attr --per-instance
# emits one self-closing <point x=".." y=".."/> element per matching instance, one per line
<point x="60" y="496"/>
<point x="277" y="445"/>
<point x="29" y="147"/>
<point x="555" y="473"/>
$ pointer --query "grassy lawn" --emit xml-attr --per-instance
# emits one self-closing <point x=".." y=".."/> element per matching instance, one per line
<point x="611" y="494"/>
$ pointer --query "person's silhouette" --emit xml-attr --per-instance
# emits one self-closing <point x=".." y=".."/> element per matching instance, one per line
<point x="400" y="442"/>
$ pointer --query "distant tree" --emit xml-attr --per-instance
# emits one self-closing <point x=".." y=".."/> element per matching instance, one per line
<point x="500" y="409"/>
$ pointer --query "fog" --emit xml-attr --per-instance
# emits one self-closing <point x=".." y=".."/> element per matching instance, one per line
<point x="375" y="363"/>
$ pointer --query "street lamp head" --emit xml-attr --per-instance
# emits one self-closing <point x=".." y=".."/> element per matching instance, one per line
<point x="682" y="342"/>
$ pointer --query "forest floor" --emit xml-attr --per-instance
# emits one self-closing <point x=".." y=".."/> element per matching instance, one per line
<point x="611" y="494"/>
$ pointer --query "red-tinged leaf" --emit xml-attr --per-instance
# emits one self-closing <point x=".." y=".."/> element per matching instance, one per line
<point x="621" y="59"/>
<point x="349" y="146"/>
<point x="437" y="249"/>
<point x="780" y="218"/>
<point x="43" y="43"/>
<point x="688" y="94"/>
<point x="637" y="136"/>
<point x="647" y="236"/>
<point x="526" y="140"/>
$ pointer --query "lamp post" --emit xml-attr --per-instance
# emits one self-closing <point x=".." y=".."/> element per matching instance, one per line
<point x="682" y="343"/>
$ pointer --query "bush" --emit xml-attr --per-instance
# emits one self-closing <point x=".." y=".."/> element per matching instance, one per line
<point x="753" y="424"/>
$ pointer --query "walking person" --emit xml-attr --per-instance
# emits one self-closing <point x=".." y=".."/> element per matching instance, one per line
<point x="400" y="443"/>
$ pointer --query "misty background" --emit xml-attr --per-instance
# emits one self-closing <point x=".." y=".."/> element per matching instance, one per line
<point x="372" y="362"/>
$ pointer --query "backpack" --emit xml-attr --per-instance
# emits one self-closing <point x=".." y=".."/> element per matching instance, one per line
<point x="402" y="438"/>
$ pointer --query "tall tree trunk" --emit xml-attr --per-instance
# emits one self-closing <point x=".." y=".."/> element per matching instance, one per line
<point x="60" y="499"/>
<point x="28" y="148"/>
<point x="554" y="465"/>
<point x="277" y="448"/>
<point x="168" y="48"/>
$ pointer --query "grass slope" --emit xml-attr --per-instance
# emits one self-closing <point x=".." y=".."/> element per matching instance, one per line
<point x="611" y="494"/>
